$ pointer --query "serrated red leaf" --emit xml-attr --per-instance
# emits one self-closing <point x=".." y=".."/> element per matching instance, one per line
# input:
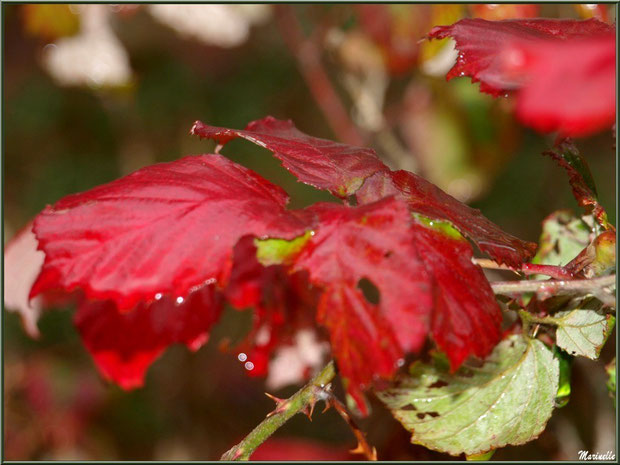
<point x="564" y="68"/>
<point x="164" y="229"/>
<point x="325" y="164"/>
<point x="426" y="282"/>
<point x="124" y="345"/>
<point x="427" y="199"/>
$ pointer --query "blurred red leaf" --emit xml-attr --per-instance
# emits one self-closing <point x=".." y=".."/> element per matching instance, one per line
<point x="164" y="229"/>
<point x="570" y="86"/>
<point x="423" y="197"/>
<point x="564" y="68"/>
<point x="279" y="449"/>
<point x="338" y="168"/>
<point x="124" y="345"/>
<point x="426" y="280"/>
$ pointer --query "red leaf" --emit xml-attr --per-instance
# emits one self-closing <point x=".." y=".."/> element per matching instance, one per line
<point x="125" y="344"/>
<point x="566" y="154"/>
<point x="423" y="197"/>
<point x="566" y="68"/>
<point x="571" y="86"/>
<point x="425" y="278"/>
<point x="283" y="304"/>
<point x="322" y="163"/>
<point x="164" y="229"/>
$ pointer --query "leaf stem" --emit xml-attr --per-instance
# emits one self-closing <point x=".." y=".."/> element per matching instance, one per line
<point x="552" y="286"/>
<point x="302" y="400"/>
<point x="553" y="271"/>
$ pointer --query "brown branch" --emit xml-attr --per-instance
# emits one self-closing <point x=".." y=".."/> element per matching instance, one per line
<point x="309" y="62"/>
<point x="553" y="286"/>
<point x="362" y="444"/>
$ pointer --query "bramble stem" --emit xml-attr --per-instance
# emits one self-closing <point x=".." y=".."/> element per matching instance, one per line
<point x="561" y="287"/>
<point x="304" y="399"/>
<point x="554" y="271"/>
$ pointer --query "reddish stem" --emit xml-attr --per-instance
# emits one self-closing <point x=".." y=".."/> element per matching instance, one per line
<point x="308" y="59"/>
<point x="556" y="272"/>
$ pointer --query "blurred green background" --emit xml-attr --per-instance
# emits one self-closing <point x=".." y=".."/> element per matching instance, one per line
<point x="61" y="137"/>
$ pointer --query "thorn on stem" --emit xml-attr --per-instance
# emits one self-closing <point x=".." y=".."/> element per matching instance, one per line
<point x="281" y="405"/>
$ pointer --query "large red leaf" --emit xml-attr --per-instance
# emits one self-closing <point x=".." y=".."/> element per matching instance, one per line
<point x="565" y="68"/>
<point x="423" y="197"/>
<point x="164" y="229"/>
<point x="425" y="278"/>
<point x="325" y="164"/>
<point x="125" y="344"/>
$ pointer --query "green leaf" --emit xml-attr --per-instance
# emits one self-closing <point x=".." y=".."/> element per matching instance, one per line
<point x="583" y="331"/>
<point x="507" y="400"/>
<point x="564" y="389"/>
<point x="481" y="457"/>
<point x="610" y="368"/>
<point x="563" y="237"/>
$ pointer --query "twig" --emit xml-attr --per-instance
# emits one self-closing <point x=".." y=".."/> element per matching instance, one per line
<point x="561" y="287"/>
<point x="309" y="62"/>
<point x="557" y="272"/>
<point x="362" y="445"/>
<point x="302" y="401"/>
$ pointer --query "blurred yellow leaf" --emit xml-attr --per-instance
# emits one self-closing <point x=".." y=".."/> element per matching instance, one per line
<point x="50" y="21"/>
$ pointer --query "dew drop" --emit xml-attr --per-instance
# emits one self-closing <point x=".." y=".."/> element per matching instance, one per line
<point x="249" y="366"/>
<point x="400" y="362"/>
<point x="180" y="300"/>
<point x="158" y="296"/>
<point x="242" y="357"/>
<point x="312" y="233"/>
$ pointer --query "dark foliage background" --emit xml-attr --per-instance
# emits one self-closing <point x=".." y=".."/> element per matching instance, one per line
<point x="59" y="140"/>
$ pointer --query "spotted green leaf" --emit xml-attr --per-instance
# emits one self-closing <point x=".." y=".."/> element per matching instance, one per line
<point x="507" y="400"/>
<point x="583" y="331"/>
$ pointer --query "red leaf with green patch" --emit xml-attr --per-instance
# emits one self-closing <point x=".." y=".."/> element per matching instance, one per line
<point x="426" y="280"/>
<point x="283" y="303"/>
<point x="124" y="345"/>
<point x="427" y="199"/>
<point x="164" y="229"/>
<point x="325" y="164"/>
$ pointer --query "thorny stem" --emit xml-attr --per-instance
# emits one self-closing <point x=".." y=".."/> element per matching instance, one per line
<point x="308" y="59"/>
<point x="298" y="402"/>
<point x="560" y="287"/>
<point x="554" y="271"/>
